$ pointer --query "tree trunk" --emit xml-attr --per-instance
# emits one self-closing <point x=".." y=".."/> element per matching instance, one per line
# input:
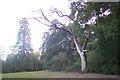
<point x="82" y="55"/>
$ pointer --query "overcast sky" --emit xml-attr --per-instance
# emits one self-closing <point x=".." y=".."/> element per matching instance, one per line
<point x="12" y="11"/>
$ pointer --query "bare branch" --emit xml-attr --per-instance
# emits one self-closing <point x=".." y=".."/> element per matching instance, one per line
<point x="54" y="25"/>
<point x="64" y="30"/>
<point x="45" y="16"/>
<point x="58" y="44"/>
<point x="59" y="13"/>
<point x="41" y="22"/>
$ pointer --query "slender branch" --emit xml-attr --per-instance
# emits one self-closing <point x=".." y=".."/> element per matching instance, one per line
<point x="51" y="23"/>
<point x="41" y="22"/>
<point x="45" y="16"/>
<point x="58" y="44"/>
<point x="60" y="14"/>
<point x="55" y="26"/>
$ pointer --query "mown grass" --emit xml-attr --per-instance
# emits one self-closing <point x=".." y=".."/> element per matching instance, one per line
<point x="38" y="74"/>
<point x="48" y="74"/>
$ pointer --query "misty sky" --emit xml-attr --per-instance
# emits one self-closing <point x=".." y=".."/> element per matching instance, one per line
<point x="12" y="11"/>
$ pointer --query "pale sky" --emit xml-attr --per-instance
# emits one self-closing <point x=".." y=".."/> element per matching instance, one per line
<point x="12" y="11"/>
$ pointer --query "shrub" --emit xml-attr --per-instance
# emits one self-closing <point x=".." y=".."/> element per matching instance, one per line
<point x="75" y="67"/>
<point x="98" y="64"/>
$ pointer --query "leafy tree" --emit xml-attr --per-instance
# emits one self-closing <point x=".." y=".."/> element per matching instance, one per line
<point x="105" y="49"/>
<point x="60" y="61"/>
<point x="10" y="63"/>
<point x="1" y="58"/>
<point x="37" y="63"/>
<point x="57" y="42"/>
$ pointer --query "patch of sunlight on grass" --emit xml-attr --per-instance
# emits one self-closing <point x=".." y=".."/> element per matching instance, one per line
<point x="38" y="74"/>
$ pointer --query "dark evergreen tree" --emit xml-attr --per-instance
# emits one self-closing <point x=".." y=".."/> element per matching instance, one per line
<point x="23" y="47"/>
<point x="23" y="44"/>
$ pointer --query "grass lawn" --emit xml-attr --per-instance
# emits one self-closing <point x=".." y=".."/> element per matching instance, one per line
<point x="38" y="74"/>
<point x="48" y="74"/>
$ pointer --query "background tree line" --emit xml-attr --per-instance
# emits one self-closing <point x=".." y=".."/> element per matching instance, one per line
<point x="22" y="58"/>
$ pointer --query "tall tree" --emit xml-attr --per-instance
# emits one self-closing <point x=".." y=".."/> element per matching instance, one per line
<point x="23" y="47"/>
<point x="77" y="23"/>
<point x="104" y="51"/>
<point x="23" y="44"/>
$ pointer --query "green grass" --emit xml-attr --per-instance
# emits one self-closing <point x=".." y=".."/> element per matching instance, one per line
<point x="38" y="74"/>
<point x="48" y="74"/>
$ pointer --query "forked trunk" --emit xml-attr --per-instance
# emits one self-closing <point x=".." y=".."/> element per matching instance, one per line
<point x="82" y="55"/>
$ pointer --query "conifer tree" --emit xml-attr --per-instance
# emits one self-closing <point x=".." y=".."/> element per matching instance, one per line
<point x="23" y="44"/>
<point x="23" y="47"/>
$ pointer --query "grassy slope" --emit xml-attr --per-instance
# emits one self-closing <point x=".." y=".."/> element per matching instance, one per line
<point x="47" y="74"/>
